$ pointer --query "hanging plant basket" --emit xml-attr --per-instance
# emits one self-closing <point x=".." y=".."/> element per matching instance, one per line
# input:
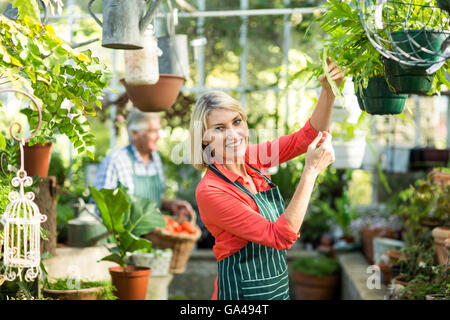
<point x="406" y="81"/>
<point x="349" y="154"/>
<point x="412" y="42"/>
<point x="378" y="99"/>
<point x="155" y="97"/>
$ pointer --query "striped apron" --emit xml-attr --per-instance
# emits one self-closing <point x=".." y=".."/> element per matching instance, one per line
<point x="148" y="187"/>
<point x="255" y="272"/>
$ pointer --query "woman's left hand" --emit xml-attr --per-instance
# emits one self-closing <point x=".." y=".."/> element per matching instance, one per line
<point x="336" y="74"/>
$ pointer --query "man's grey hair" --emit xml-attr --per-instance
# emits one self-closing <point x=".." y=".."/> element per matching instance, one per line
<point x="138" y="121"/>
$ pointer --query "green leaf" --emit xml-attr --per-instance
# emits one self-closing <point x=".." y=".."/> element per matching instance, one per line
<point x="129" y="242"/>
<point x="28" y="8"/>
<point x="2" y="142"/>
<point x="116" y="258"/>
<point x="112" y="204"/>
<point x="143" y="217"/>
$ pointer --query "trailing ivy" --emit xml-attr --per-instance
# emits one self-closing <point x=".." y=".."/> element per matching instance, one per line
<point x="34" y="58"/>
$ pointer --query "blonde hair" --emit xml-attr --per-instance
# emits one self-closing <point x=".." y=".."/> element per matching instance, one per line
<point x="198" y="125"/>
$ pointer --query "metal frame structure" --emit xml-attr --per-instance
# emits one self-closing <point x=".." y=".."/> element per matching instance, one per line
<point x="244" y="13"/>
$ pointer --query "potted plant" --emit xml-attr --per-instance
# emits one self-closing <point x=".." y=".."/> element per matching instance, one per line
<point x="440" y="235"/>
<point x="342" y="214"/>
<point x="70" y="289"/>
<point x="430" y="284"/>
<point x="67" y="83"/>
<point x="127" y="218"/>
<point x="350" y="48"/>
<point x="315" y="277"/>
<point x="418" y="30"/>
<point x="425" y="203"/>
<point x="441" y="176"/>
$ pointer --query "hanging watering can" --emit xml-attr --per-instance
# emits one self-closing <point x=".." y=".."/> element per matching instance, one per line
<point x="175" y="57"/>
<point x="124" y="22"/>
<point x="141" y="66"/>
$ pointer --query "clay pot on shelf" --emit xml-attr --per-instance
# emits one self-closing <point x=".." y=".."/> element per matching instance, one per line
<point x="441" y="237"/>
<point x="309" y="287"/>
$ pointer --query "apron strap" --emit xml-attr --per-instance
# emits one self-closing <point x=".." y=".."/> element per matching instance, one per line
<point x="238" y="184"/>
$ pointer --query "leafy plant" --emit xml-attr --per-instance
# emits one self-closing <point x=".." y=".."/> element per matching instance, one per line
<point x="67" y="83"/>
<point x="425" y="200"/>
<point x="432" y="280"/>
<point x="349" y="46"/>
<point x="316" y="265"/>
<point x="127" y="218"/>
<point x="341" y="212"/>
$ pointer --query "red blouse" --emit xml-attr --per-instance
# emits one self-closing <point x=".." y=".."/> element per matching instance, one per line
<point x="231" y="215"/>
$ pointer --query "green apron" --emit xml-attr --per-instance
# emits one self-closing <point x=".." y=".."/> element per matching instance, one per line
<point x="255" y="272"/>
<point x="148" y="187"/>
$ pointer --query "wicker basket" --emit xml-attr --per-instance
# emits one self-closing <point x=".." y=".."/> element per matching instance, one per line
<point x="181" y="244"/>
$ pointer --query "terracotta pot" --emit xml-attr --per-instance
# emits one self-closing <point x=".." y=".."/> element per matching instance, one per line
<point x="131" y="284"/>
<point x="81" y="294"/>
<point x="367" y="235"/>
<point x="441" y="177"/>
<point x="441" y="235"/>
<point x="309" y="287"/>
<point x="37" y="159"/>
<point x="386" y="271"/>
<point x="155" y="97"/>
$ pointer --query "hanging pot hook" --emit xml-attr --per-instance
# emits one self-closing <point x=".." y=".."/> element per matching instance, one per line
<point x="21" y="140"/>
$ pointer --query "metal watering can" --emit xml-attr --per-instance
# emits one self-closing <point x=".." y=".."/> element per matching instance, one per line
<point x="175" y="57"/>
<point x="124" y="22"/>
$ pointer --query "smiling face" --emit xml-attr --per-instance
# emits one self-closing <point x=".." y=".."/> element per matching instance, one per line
<point x="226" y="135"/>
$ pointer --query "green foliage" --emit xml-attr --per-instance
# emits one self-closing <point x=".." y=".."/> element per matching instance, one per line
<point x="431" y="280"/>
<point x="348" y="44"/>
<point x="127" y="218"/>
<point x="425" y="200"/>
<point x="57" y="168"/>
<point x="316" y="265"/>
<point x="341" y="213"/>
<point x="67" y="284"/>
<point x="34" y="58"/>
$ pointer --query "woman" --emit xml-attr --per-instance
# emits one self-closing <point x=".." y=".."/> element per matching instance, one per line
<point x="238" y="203"/>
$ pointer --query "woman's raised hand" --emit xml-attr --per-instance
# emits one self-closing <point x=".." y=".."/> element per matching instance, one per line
<point x="320" y="153"/>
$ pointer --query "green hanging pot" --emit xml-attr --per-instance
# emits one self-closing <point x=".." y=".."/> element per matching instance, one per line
<point x="403" y="81"/>
<point x="429" y="40"/>
<point x="378" y="99"/>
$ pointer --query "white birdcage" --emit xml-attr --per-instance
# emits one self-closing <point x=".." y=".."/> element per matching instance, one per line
<point x="22" y="221"/>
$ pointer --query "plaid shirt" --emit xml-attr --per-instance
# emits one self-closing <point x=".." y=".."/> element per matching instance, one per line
<point x="117" y="166"/>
